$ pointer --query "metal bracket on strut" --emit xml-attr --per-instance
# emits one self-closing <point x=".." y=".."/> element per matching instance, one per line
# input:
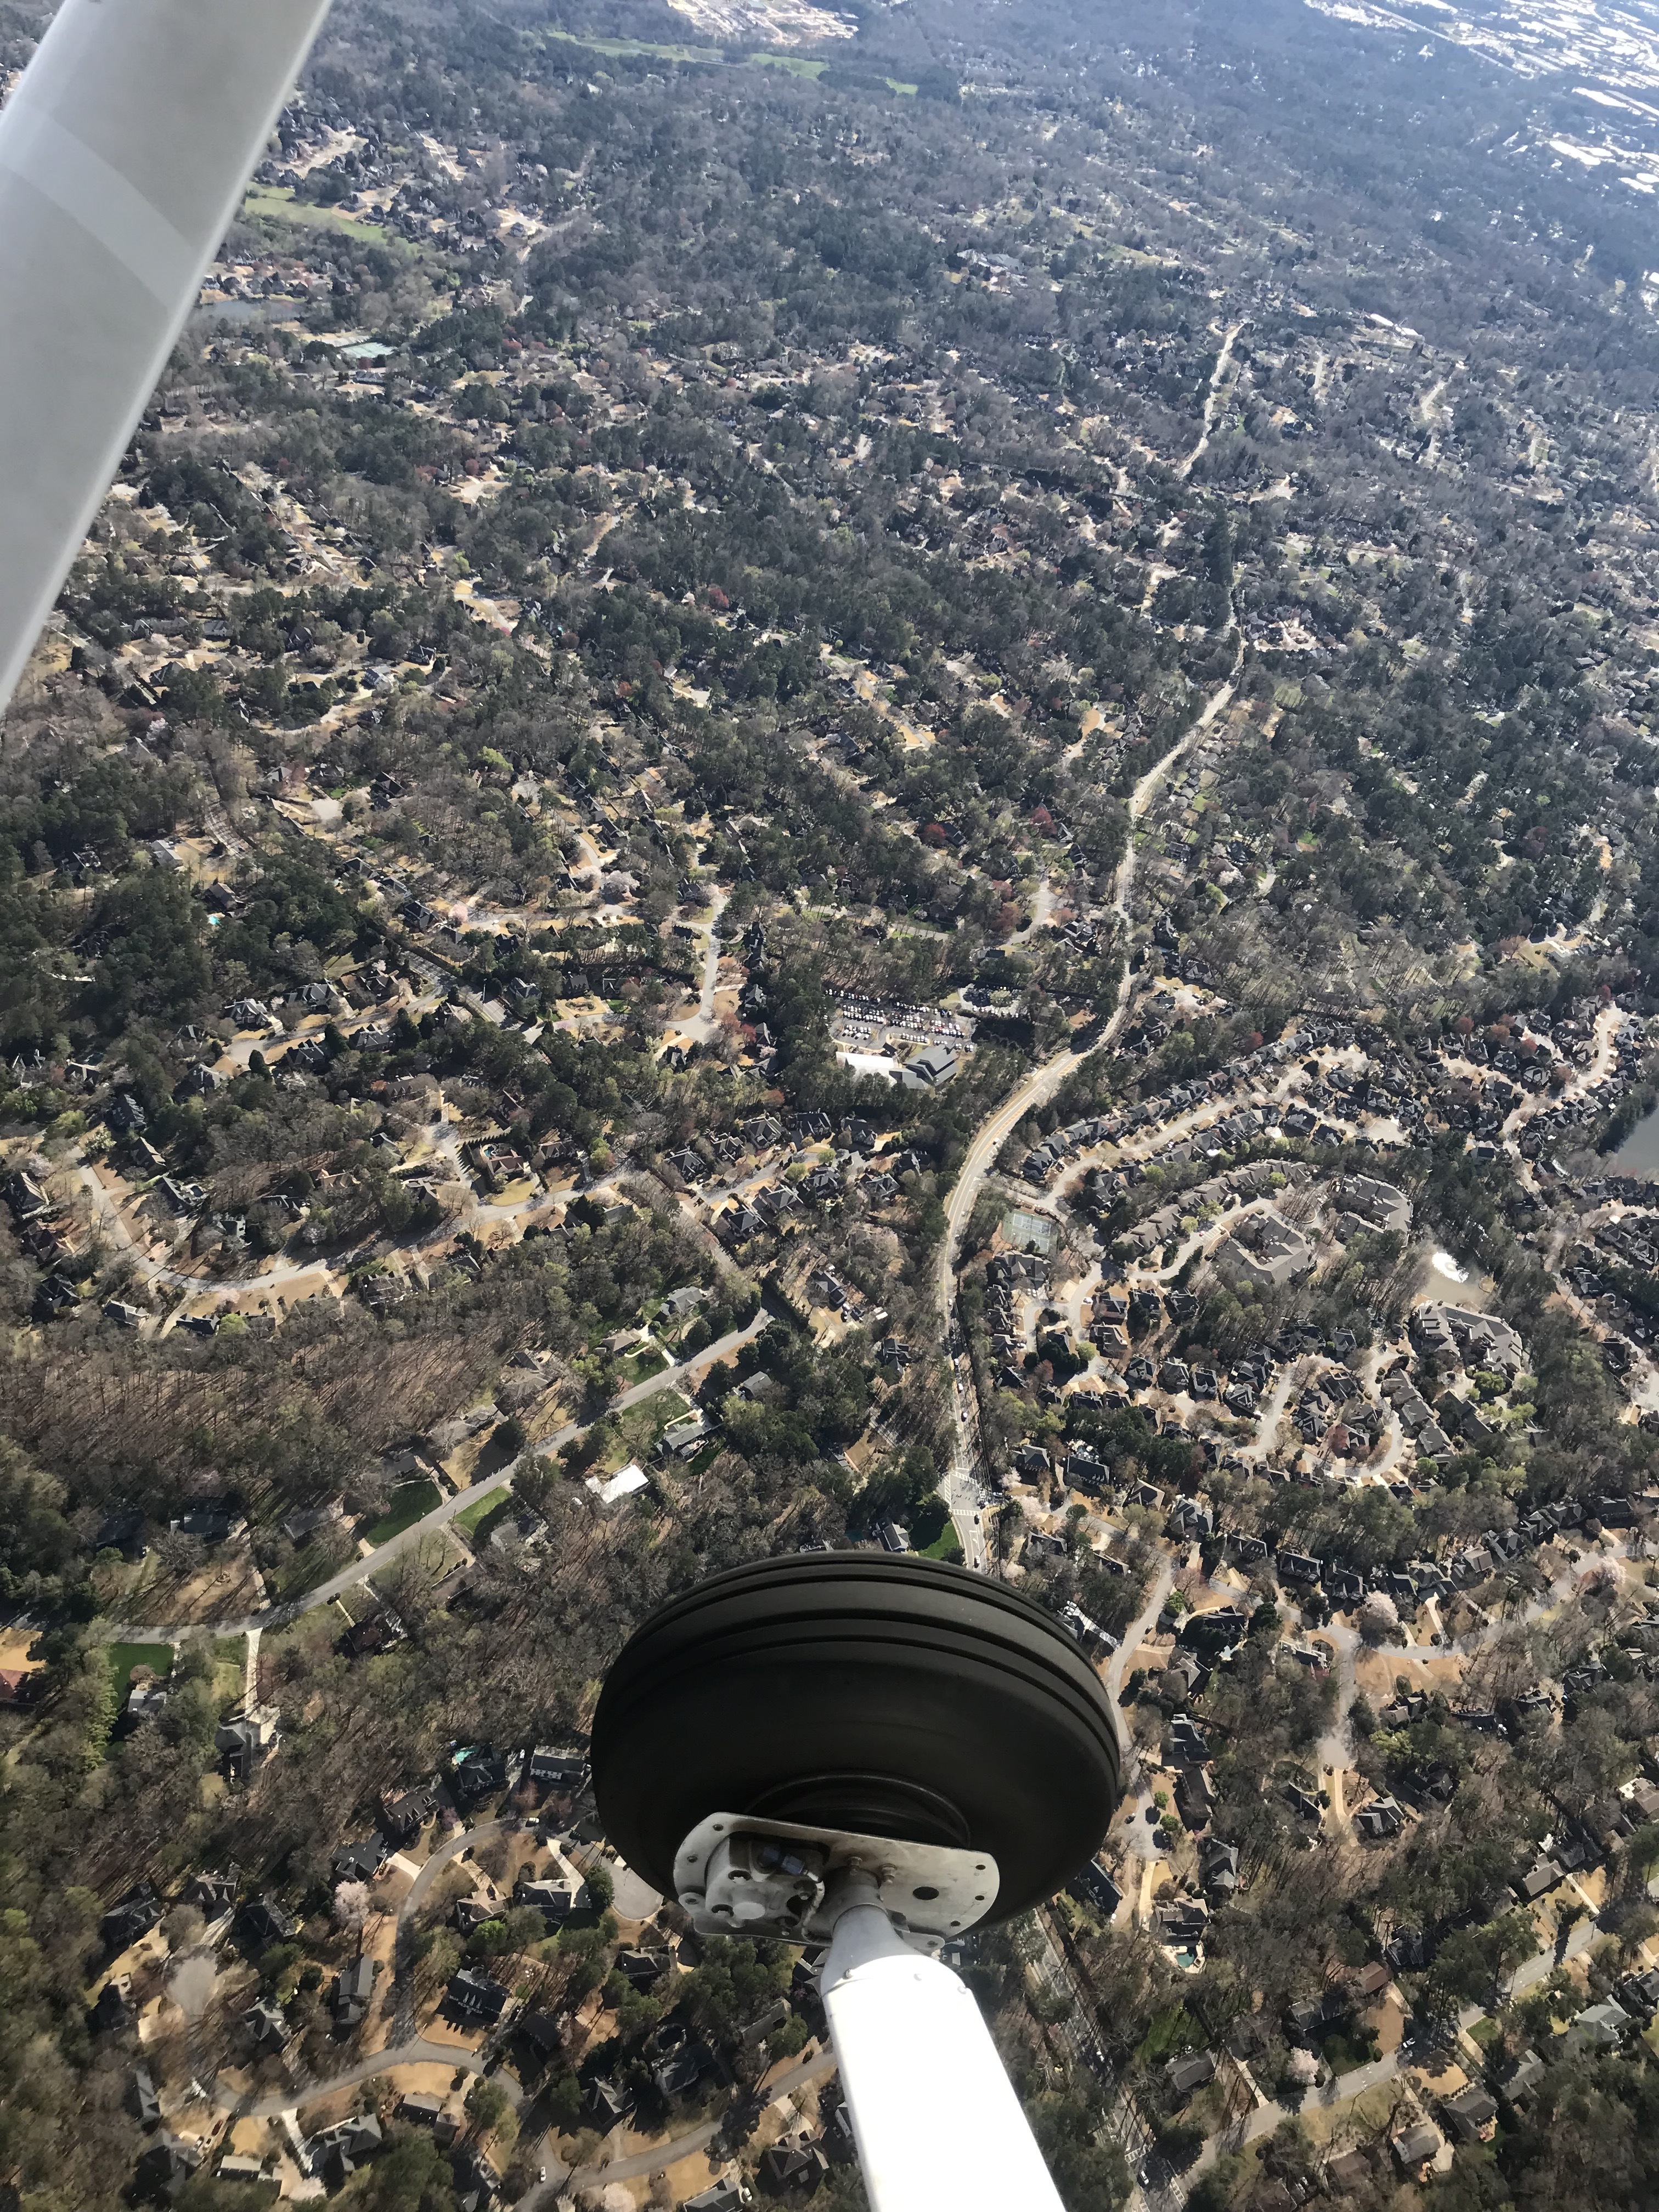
<point x="737" y="1874"/>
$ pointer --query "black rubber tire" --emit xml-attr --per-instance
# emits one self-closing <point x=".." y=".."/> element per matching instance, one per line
<point x="886" y="1695"/>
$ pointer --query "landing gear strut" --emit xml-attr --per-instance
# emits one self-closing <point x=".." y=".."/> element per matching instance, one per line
<point x="877" y="1754"/>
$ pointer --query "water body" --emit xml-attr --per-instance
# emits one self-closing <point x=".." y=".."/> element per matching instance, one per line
<point x="1638" y="1155"/>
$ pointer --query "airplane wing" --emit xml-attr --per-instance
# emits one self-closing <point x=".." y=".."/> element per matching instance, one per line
<point x="124" y="152"/>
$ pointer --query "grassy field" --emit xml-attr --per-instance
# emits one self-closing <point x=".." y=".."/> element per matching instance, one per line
<point x="410" y="1502"/>
<point x="710" y="56"/>
<point x="278" y="204"/>
<point x="490" y="1502"/>
<point x="933" y="1532"/>
<point x="640" y="1366"/>
<point x="123" y="1657"/>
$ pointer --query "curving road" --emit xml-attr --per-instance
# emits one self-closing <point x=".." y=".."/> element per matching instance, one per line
<point x="1139" y="1833"/>
<point x="961" y="1488"/>
<point x="412" y="2050"/>
<point x="373" y="1563"/>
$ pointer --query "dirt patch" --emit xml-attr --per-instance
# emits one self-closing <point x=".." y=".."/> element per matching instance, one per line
<point x="1375" y="1672"/>
<point x="1388" y="2025"/>
<point x="226" y="1587"/>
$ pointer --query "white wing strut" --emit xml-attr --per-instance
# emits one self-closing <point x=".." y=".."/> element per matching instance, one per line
<point x="937" y="2123"/>
<point x="124" y="152"/>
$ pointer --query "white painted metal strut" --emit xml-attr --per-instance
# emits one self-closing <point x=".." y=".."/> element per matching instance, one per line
<point x="124" y="152"/>
<point x="936" y="2120"/>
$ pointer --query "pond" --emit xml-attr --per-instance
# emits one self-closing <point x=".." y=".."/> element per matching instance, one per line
<point x="1638" y="1155"/>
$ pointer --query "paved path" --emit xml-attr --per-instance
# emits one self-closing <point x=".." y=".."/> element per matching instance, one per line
<point x="702" y="1025"/>
<point x="415" y="2052"/>
<point x="961" y="1489"/>
<point x="1212" y="398"/>
<point x="376" y="1562"/>
<point x="412" y="2050"/>
<point x="462" y="1840"/>
<point x="1140" y="1834"/>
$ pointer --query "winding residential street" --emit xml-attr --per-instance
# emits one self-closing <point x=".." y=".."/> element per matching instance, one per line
<point x="409" y="2049"/>
<point x="1139" y="1833"/>
<point x="963" y="1492"/>
<point x="1212" y="400"/>
<point x="376" y="1562"/>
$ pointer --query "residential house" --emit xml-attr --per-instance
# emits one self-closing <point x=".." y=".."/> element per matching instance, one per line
<point x="142" y="2100"/>
<point x="1194" y="1796"/>
<point x="725" y="2194"/>
<point x="361" y="1862"/>
<point x="1182" y="2076"/>
<point x="1517" y="2084"/>
<point x="1180" y="1922"/>
<point x="476" y="1772"/>
<point x="248" y="1740"/>
<point x="1092" y="1886"/>
<point x="262" y="1923"/>
<point x="557" y="1770"/>
<point x="250" y="2173"/>
<point x="404" y="1817"/>
<point x="685" y="1439"/>
<point x="1379" y="1819"/>
<point x="375" y="1632"/>
<point x="121" y="1531"/>
<point x="267" y="2026"/>
<point x="1599" y="2027"/>
<point x="1349" y="2172"/>
<point x="424" y="2108"/>
<point x="166" y="2167"/>
<point x="1408" y="1951"/>
<point x="1095" y="1640"/>
<point x="337" y="2153"/>
<point x="1218" y="1866"/>
<point x="111" y="2013"/>
<point x="1536" y="1880"/>
<point x="301" y="1526"/>
<point x="682" y="2069"/>
<point x="477" y="2184"/>
<point x="1188" y="1745"/>
<point x="794" y="2168"/>
<point x="1415" y="2149"/>
<point x="556" y="1897"/>
<point x="766" y="2022"/>
<point x="1472" y="2114"/>
<point x="605" y="2102"/>
<point x="214" y="1892"/>
<point x="135" y="1915"/>
<point x="354" y="1992"/>
<point x="473" y="1996"/>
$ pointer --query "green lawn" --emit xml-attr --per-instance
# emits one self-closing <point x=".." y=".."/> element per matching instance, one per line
<point x="640" y="1366"/>
<point x="410" y="1502"/>
<point x="277" y="202"/>
<point x="797" y="64"/>
<point x="711" y="56"/>
<point x="123" y="1657"/>
<point x="313" y="1563"/>
<point x="933" y="1532"/>
<point x="491" y="1501"/>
